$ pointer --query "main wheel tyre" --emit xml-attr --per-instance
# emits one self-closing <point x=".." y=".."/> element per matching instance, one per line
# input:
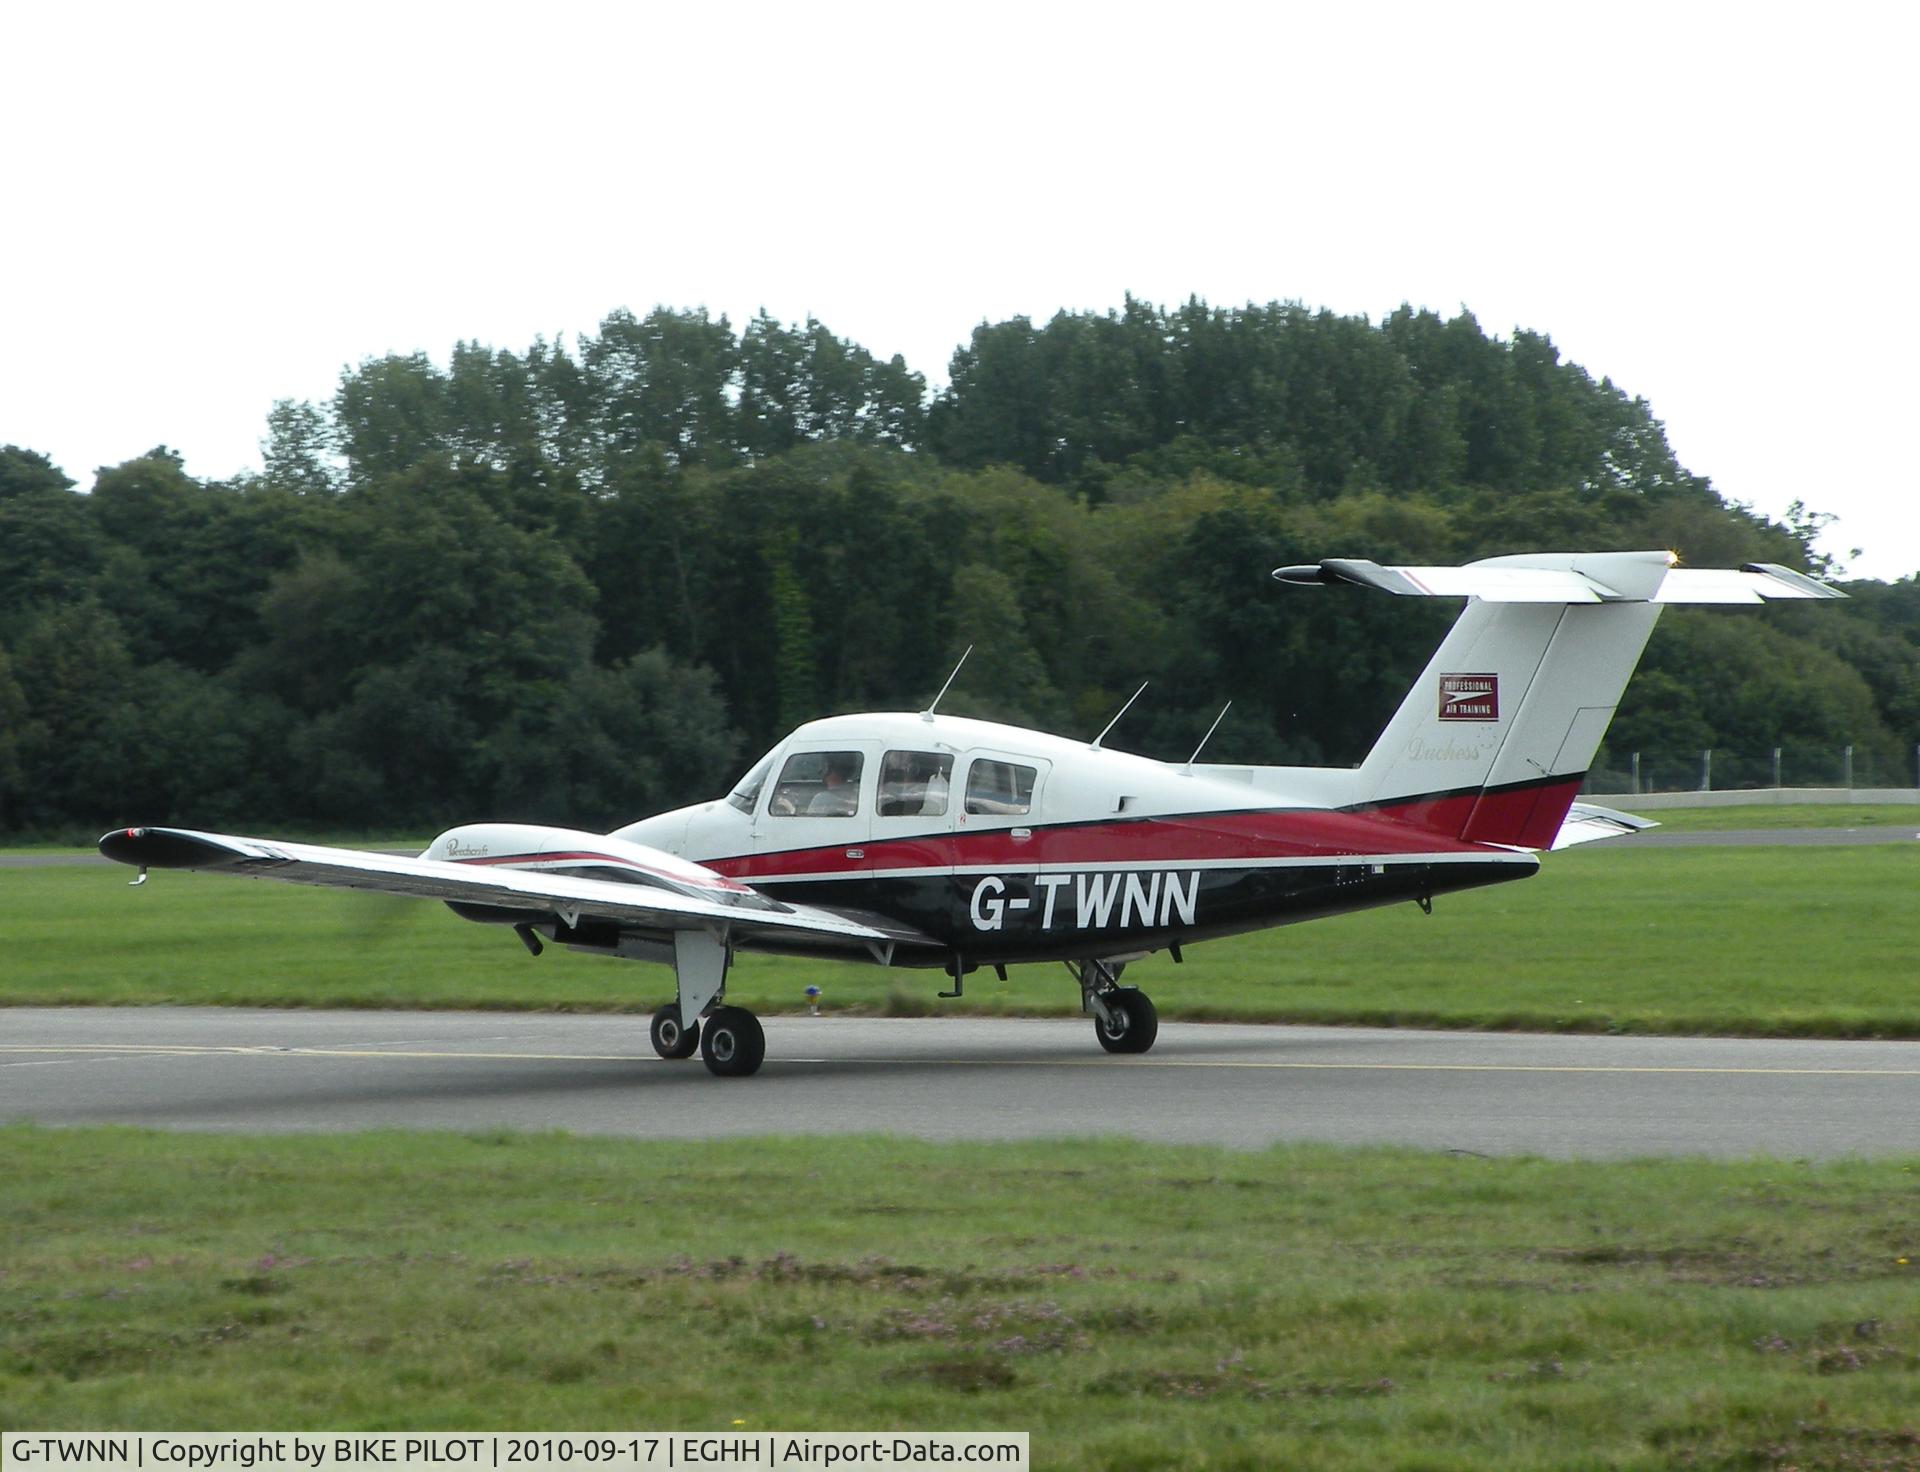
<point x="670" y="1039"/>
<point x="1130" y="1025"/>
<point x="732" y="1043"/>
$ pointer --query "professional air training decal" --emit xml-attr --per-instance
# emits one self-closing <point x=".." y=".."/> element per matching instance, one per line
<point x="1469" y="697"/>
<point x="1089" y="901"/>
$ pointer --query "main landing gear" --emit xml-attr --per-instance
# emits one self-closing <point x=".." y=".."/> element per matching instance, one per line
<point x="730" y="1042"/>
<point x="1123" y="1016"/>
<point x="729" y="1039"/>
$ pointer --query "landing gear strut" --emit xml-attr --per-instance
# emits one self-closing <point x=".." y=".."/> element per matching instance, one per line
<point x="1123" y="1016"/>
<point x="730" y="1041"/>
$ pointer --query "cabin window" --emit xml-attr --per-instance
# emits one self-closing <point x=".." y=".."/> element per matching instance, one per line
<point x="746" y="792"/>
<point x="818" y="784"/>
<point x="913" y="784"/>
<point x="1000" y="788"/>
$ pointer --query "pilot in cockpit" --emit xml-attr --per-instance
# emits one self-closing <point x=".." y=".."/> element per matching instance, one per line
<point x="837" y="797"/>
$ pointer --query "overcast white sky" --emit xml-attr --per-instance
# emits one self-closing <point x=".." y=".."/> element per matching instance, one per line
<point x="209" y="208"/>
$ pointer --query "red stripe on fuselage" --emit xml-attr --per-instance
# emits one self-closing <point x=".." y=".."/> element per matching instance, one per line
<point x="1525" y="817"/>
<point x="1275" y="834"/>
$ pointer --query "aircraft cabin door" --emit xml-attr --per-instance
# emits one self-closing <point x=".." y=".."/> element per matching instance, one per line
<point x="910" y="852"/>
<point x="1001" y="905"/>
<point x="817" y="819"/>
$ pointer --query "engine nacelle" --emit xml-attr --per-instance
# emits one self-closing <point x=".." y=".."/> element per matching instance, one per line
<point x="578" y="855"/>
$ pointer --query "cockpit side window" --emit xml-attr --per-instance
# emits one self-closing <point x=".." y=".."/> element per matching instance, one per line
<point x="818" y="784"/>
<point x="1003" y="789"/>
<point x="746" y="792"/>
<point x="914" y="784"/>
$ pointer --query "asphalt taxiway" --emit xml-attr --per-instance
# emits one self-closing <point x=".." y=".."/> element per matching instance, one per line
<point x="963" y="1078"/>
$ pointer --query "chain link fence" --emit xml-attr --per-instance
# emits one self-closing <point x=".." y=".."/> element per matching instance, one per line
<point x="1736" y="768"/>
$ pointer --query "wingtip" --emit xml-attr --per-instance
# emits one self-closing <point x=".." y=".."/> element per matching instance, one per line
<point x="122" y="845"/>
<point x="169" y="848"/>
<point x="1307" y="574"/>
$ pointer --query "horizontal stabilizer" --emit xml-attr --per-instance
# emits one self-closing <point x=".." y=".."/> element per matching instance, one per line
<point x="1587" y="821"/>
<point x="1568" y="578"/>
<point x="1495" y="585"/>
<point x="1757" y="582"/>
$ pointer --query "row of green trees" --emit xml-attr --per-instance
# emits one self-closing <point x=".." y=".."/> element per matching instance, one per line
<point x="578" y="585"/>
<point x="1296" y="401"/>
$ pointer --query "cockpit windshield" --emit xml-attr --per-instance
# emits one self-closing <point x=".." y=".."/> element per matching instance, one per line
<point x="746" y="792"/>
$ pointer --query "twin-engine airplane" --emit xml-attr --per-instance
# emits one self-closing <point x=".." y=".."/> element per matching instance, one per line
<point x="933" y="841"/>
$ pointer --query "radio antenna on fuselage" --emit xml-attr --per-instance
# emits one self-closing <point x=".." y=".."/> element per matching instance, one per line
<point x="927" y="714"/>
<point x="1094" y="745"/>
<point x="1208" y="737"/>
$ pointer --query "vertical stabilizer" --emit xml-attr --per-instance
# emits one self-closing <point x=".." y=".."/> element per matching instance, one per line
<point x="1493" y="740"/>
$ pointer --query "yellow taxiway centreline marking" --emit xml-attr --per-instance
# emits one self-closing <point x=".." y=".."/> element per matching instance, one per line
<point x="191" y="1050"/>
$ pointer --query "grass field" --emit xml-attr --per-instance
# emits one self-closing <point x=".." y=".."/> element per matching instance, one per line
<point x="1132" y="1307"/>
<point x="1810" y="941"/>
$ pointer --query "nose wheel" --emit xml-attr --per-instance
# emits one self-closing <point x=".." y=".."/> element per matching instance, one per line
<point x="1130" y="1024"/>
<point x="1124" y="1019"/>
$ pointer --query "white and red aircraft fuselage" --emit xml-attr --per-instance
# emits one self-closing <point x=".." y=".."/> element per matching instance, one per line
<point x="935" y="841"/>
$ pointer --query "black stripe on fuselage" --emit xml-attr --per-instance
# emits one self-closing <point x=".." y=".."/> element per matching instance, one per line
<point x="1005" y="916"/>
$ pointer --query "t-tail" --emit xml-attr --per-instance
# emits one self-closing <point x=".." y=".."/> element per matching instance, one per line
<point x="1495" y="737"/>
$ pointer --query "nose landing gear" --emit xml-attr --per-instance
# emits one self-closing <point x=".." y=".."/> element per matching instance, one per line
<point x="1131" y="1023"/>
<point x="1124" y="1019"/>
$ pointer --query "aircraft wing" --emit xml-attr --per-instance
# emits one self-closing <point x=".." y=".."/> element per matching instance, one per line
<point x="744" y="913"/>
